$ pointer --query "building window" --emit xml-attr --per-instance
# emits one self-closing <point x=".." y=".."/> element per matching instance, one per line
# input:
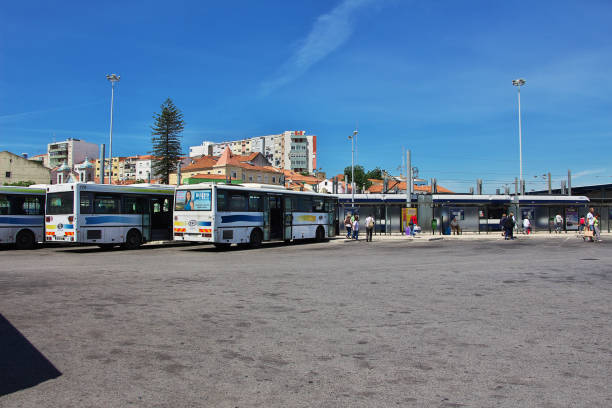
<point x="7" y="174"/>
<point x="250" y="178"/>
<point x="273" y="179"/>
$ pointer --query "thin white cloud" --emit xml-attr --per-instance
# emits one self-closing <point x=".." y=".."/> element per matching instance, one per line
<point x="590" y="172"/>
<point x="329" y="32"/>
<point x="16" y="117"/>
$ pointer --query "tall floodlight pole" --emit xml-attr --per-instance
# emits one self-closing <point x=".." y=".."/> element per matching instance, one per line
<point x="518" y="83"/>
<point x="112" y="78"/>
<point x="352" y="137"/>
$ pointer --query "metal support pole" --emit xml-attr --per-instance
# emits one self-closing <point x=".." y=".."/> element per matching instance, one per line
<point x="520" y="136"/>
<point x="549" y="184"/>
<point x="102" y="153"/>
<point x="408" y="180"/>
<point x="569" y="182"/>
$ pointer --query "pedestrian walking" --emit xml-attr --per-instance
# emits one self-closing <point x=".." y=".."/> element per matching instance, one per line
<point x="348" y="225"/>
<point x="434" y="225"/>
<point x="558" y="223"/>
<point x="455" y="226"/>
<point x="356" y="228"/>
<point x="369" y="222"/>
<point x="527" y="226"/>
<point x="596" y="227"/>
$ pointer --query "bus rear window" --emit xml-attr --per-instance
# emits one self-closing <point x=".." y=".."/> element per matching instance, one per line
<point x="192" y="200"/>
<point x="60" y="203"/>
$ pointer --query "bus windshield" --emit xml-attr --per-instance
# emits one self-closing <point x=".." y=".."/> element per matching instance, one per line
<point x="193" y="200"/>
<point x="60" y="203"/>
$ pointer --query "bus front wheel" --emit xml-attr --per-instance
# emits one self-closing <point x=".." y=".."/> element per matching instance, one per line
<point x="133" y="240"/>
<point x="25" y="240"/>
<point x="320" y="234"/>
<point x="256" y="238"/>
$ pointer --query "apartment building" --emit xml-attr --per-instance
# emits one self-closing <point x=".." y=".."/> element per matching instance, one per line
<point x="15" y="168"/>
<point x="290" y="150"/>
<point x="70" y="151"/>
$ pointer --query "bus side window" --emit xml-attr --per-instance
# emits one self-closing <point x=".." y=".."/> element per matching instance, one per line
<point x="238" y="202"/>
<point x="221" y="200"/>
<point x="131" y="205"/>
<point x="85" y="203"/>
<point x="17" y="205"/>
<point x="156" y="207"/>
<point x="304" y="204"/>
<point x="317" y="204"/>
<point x="104" y="204"/>
<point x="4" y="205"/>
<point x="32" y="206"/>
<point x="167" y="205"/>
<point x="255" y="202"/>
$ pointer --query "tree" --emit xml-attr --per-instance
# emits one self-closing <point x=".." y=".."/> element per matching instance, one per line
<point x="375" y="173"/>
<point x="166" y="137"/>
<point x="360" y="177"/>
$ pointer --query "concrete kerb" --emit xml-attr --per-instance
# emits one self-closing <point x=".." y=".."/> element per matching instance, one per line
<point x="496" y="236"/>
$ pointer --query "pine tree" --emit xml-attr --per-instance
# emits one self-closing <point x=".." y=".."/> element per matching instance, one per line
<point x="166" y="140"/>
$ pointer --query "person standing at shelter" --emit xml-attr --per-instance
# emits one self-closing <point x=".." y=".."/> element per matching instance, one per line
<point x="527" y="226"/>
<point x="369" y="222"/>
<point x="510" y="226"/>
<point x="502" y="224"/>
<point x="581" y="224"/>
<point x="356" y="228"/>
<point x="434" y="225"/>
<point x="348" y="225"/>
<point x="455" y="226"/>
<point x="591" y="221"/>
<point x="596" y="227"/>
<point x="558" y="223"/>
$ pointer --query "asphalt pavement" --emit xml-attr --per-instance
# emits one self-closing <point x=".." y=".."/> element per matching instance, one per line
<point x="525" y="323"/>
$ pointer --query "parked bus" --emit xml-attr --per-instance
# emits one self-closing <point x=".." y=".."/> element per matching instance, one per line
<point x="22" y="213"/>
<point x="249" y="214"/>
<point x="108" y="215"/>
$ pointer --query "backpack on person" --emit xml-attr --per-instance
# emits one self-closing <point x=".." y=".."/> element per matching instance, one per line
<point x="370" y="223"/>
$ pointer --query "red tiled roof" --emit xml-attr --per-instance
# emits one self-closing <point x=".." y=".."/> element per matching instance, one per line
<point x="209" y="176"/>
<point x="378" y="187"/>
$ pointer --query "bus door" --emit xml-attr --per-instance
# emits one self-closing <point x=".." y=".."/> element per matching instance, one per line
<point x="332" y="215"/>
<point x="266" y="218"/>
<point x="143" y="204"/>
<point x="288" y="218"/>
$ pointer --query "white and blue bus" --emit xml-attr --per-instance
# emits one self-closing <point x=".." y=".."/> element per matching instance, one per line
<point x="250" y="214"/>
<point x="108" y="215"/>
<point x="22" y="211"/>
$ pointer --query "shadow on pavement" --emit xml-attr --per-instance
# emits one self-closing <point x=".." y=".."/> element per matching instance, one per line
<point x="276" y="244"/>
<point x="117" y="248"/>
<point x="21" y="364"/>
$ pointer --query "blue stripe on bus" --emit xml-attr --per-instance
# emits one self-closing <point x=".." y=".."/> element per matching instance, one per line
<point x="68" y="226"/>
<point x="21" y="220"/>
<point x="108" y="218"/>
<point x="204" y="223"/>
<point x="241" y="217"/>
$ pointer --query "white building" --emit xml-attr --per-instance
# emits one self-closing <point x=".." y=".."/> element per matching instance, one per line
<point x="70" y="151"/>
<point x="290" y="150"/>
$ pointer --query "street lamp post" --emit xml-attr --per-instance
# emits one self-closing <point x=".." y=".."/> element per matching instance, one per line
<point x="518" y="83"/>
<point x="112" y="78"/>
<point x="352" y="137"/>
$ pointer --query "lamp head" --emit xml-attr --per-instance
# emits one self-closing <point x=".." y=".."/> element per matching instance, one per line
<point x="518" y="82"/>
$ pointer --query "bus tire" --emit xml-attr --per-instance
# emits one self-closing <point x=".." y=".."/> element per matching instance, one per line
<point x="133" y="239"/>
<point x="25" y="240"/>
<point x="222" y="245"/>
<point x="320" y="234"/>
<point x="256" y="238"/>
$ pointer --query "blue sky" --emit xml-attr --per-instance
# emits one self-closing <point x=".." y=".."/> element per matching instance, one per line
<point x="432" y="76"/>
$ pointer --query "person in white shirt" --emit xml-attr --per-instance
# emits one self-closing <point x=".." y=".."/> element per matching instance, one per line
<point x="527" y="226"/>
<point x="356" y="228"/>
<point x="591" y="221"/>
<point x="369" y="223"/>
<point x="558" y="223"/>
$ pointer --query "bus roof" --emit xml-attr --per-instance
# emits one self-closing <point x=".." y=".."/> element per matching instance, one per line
<point x="252" y="187"/>
<point x="21" y="190"/>
<point x="112" y="188"/>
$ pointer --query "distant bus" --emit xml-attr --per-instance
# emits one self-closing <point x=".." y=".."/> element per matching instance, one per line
<point x="22" y="211"/>
<point x="250" y="214"/>
<point x="108" y="215"/>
